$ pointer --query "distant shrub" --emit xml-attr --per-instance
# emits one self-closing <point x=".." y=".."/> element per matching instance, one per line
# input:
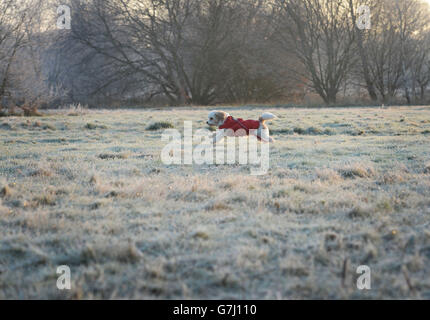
<point x="12" y="112"/>
<point x="160" y="125"/>
<point x="31" y="112"/>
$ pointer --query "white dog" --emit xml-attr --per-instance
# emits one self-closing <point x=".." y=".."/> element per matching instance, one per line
<point x="229" y="126"/>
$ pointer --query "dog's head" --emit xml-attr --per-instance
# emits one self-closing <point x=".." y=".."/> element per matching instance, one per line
<point x="217" y="118"/>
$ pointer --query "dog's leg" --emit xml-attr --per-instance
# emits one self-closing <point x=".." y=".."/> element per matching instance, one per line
<point x="263" y="132"/>
<point x="218" y="136"/>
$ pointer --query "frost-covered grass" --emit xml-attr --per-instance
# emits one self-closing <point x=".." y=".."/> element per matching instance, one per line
<point x="87" y="189"/>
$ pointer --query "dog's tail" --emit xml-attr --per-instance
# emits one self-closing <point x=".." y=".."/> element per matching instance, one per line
<point x="264" y="129"/>
<point x="267" y="116"/>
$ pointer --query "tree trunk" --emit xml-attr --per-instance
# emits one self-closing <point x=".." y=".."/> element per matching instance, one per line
<point x="363" y="57"/>
<point x="407" y="95"/>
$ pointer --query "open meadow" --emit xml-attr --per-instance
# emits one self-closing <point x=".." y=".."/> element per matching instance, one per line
<point x="87" y="189"/>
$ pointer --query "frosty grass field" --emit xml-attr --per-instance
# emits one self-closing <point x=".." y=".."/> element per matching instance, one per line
<point x="87" y="189"/>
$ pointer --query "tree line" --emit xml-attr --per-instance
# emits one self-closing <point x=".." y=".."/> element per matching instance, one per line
<point x="203" y="52"/>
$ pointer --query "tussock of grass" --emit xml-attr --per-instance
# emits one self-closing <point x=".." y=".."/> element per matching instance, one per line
<point x="299" y="130"/>
<point x="281" y="194"/>
<point x="332" y="241"/>
<point x="312" y="131"/>
<point x="238" y="199"/>
<point x="328" y="175"/>
<point x="37" y="124"/>
<point x="384" y="206"/>
<point x="355" y="133"/>
<point x="5" y="190"/>
<point x="94" y="180"/>
<point x="228" y="184"/>
<point x="3" y="210"/>
<point x="357" y="170"/>
<point x="292" y="266"/>
<point x="160" y="125"/>
<point x="75" y="110"/>
<point x="301" y="188"/>
<point x="392" y="178"/>
<point x="49" y="127"/>
<point x="122" y="252"/>
<point x="113" y="156"/>
<point x="200" y="233"/>
<point x="217" y="206"/>
<point x="359" y="212"/>
<point x="116" y="194"/>
<point x="93" y="126"/>
<point x="45" y="200"/>
<point x="280" y="131"/>
<point x="6" y="126"/>
<point x="41" y="172"/>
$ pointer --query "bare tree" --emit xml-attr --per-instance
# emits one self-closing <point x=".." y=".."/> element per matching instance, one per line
<point x="189" y="51"/>
<point x="211" y="51"/>
<point x="12" y="22"/>
<point x="390" y="46"/>
<point x="420" y="67"/>
<point x="320" y="32"/>
<point x="23" y="42"/>
<point x="360" y="34"/>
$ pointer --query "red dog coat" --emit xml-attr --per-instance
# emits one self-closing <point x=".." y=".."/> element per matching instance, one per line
<point x="237" y="124"/>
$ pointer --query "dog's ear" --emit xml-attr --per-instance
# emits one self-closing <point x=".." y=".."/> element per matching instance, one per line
<point x="220" y="116"/>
